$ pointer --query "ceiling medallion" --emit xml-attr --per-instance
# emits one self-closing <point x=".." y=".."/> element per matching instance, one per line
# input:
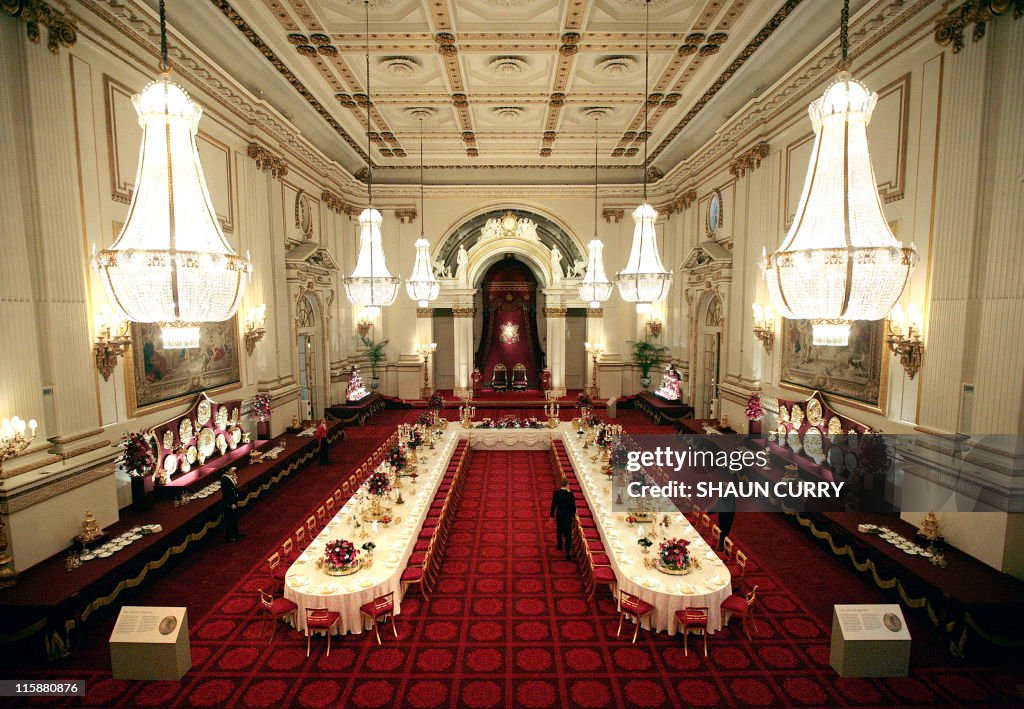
<point x="640" y="4"/>
<point x="420" y="112"/>
<point x="510" y="4"/>
<point x="508" y="114"/>
<point x="616" y="66"/>
<point x="400" y="67"/>
<point x="507" y="66"/>
<point x="594" y="112"/>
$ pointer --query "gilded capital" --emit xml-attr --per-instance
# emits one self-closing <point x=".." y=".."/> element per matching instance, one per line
<point x="424" y="312"/>
<point x="61" y="30"/>
<point x="613" y="216"/>
<point x="464" y="312"/>
<point x="555" y="312"/>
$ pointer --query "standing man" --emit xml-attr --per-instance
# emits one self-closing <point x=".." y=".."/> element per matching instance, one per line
<point x="563" y="511"/>
<point x="229" y="504"/>
<point x="726" y="511"/>
<point x="321" y="436"/>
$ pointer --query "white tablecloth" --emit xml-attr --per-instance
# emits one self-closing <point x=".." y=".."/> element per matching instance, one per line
<point x="510" y="438"/>
<point x="310" y="587"/>
<point x="707" y="586"/>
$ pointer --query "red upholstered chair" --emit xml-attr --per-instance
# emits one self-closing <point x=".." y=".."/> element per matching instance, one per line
<point x="380" y="608"/>
<point x="321" y="516"/>
<point x="417" y="573"/>
<point x="716" y="536"/>
<point x="277" y="569"/>
<point x="738" y="569"/>
<point x="695" y="618"/>
<point x="339" y="497"/>
<point x="727" y="550"/>
<point x="276" y="609"/>
<point x="634" y="607"/>
<point x="288" y="552"/>
<point x="300" y="538"/>
<point x="742" y="607"/>
<point x="318" y="619"/>
<point x="704" y="523"/>
<point x="329" y="506"/>
<point x="311" y="527"/>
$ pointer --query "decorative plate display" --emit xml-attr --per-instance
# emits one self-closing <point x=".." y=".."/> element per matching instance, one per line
<point x="851" y="439"/>
<point x="222" y="416"/>
<point x="191" y="455"/>
<point x="835" y="460"/>
<point x="203" y="412"/>
<point x="171" y="464"/>
<point x="835" y="426"/>
<point x="234" y="415"/>
<point x="797" y="415"/>
<point x="783" y="414"/>
<point x="168" y="440"/>
<point x="793" y="439"/>
<point x="185" y="431"/>
<point x="851" y="463"/>
<point x="185" y="466"/>
<point x="814" y="416"/>
<point x="236" y="436"/>
<point x="222" y="443"/>
<point x="781" y="431"/>
<point x="207" y="444"/>
<point x="812" y="445"/>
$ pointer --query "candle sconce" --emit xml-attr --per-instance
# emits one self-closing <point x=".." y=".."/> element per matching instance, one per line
<point x="904" y="338"/>
<point x="255" y="327"/>
<point x="112" y="341"/>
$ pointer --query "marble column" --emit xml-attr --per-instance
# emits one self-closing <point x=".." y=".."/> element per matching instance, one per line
<point x="554" y="313"/>
<point x="463" y="348"/>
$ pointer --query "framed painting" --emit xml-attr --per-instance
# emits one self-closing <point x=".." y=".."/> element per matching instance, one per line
<point x="159" y="378"/>
<point x="855" y="373"/>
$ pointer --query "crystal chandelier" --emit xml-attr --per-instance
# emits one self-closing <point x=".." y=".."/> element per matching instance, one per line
<point x="422" y="286"/>
<point x="371" y="284"/>
<point x="171" y="263"/>
<point x="839" y="261"/>
<point x="595" y="286"/>
<point x="644" y="279"/>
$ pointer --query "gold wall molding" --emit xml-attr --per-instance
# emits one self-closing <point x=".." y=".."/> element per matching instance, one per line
<point x="267" y="161"/>
<point x="555" y="312"/>
<point x="749" y="159"/>
<point x="680" y="203"/>
<point x="950" y="29"/>
<point x="424" y="312"/>
<point x="15" y="502"/>
<point x="406" y="216"/>
<point x="336" y="204"/>
<point x="613" y="216"/>
<point x="464" y="312"/>
<point x="595" y="312"/>
<point x="61" y="30"/>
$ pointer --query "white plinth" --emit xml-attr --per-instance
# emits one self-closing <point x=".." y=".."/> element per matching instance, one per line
<point x="150" y="642"/>
<point x="870" y="641"/>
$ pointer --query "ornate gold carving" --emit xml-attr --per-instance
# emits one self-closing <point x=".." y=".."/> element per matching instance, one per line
<point x="749" y="159"/>
<point x="463" y="312"/>
<point x="61" y="30"/>
<point x="950" y="29"/>
<point x="424" y="312"/>
<point x="613" y="216"/>
<point x="555" y="312"/>
<point x="335" y="203"/>
<point x="472" y="152"/>
<point x="406" y="216"/>
<point x="557" y="99"/>
<point x="545" y="152"/>
<point x="595" y="312"/>
<point x="268" y="161"/>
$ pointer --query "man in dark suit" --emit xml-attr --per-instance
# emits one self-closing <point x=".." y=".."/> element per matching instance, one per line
<point x="563" y="511"/>
<point x="229" y="504"/>
<point x="726" y="511"/>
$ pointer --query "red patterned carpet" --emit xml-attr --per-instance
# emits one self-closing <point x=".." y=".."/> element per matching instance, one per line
<point x="508" y="624"/>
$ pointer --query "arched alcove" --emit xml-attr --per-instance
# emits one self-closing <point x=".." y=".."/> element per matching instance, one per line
<point x="509" y="332"/>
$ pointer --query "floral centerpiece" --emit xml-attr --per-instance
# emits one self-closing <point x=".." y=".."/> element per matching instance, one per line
<point x="583" y="401"/>
<point x="397" y="458"/>
<point x="591" y="419"/>
<point x="425" y="419"/>
<point x="674" y="556"/>
<point x="755" y="412"/>
<point x="435" y="402"/>
<point x="511" y="422"/>
<point x="378" y="484"/>
<point x="619" y="457"/>
<point x="137" y="458"/>
<point x="340" y="558"/>
<point x="261" y="409"/>
<point x="415" y="438"/>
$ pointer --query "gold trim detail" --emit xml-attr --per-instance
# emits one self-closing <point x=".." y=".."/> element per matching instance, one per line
<point x="555" y="312"/>
<point x="749" y="159"/>
<point x="267" y="161"/>
<point x="463" y="312"/>
<point x="406" y="216"/>
<point x="61" y="30"/>
<point x="424" y="312"/>
<point x="950" y="29"/>
<point x="613" y="216"/>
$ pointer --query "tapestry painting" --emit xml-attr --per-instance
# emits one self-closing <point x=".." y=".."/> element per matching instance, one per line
<point x="855" y="372"/>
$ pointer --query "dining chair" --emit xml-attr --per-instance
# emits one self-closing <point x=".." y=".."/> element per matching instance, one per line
<point x="694" y="618"/>
<point x="743" y="608"/>
<point x="380" y="608"/>
<point x="634" y="607"/>
<point x="318" y="619"/>
<point x="276" y="609"/>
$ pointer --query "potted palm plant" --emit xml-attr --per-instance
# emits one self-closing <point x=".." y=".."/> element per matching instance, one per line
<point x="374" y="352"/>
<point x="646" y="354"/>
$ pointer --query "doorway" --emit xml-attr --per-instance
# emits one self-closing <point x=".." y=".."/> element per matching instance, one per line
<point x="311" y="401"/>
<point x="709" y="339"/>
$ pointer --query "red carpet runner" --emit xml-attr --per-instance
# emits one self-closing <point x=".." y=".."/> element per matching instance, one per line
<point x="508" y="626"/>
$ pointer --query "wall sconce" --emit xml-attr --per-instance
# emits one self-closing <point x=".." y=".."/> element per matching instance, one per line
<point x="426" y="350"/>
<point x="13" y="439"/>
<point x="363" y="327"/>
<point x="255" y="327"/>
<point x="112" y="340"/>
<point x="596" y="349"/>
<point x="764" y="325"/>
<point x="654" y="327"/>
<point x="904" y="338"/>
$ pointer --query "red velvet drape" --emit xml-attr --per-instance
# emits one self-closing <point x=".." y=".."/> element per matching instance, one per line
<point x="509" y="337"/>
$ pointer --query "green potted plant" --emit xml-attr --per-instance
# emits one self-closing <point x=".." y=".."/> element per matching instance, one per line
<point x="374" y="352"/>
<point x="646" y="354"/>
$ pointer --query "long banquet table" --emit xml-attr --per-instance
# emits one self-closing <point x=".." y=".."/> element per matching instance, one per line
<point x="707" y="586"/>
<point x="311" y="587"/>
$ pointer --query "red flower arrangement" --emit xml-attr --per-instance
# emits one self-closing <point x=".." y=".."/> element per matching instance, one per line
<point x="755" y="412"/>
<point x="415" y="438"/>
<point x="618" y="457"/>
<point x="396" y="458"/>
<point x="261" y="407"/>
<point x="340" y="554"/>
<point x="379" y="484"/>
<point x="436" y="401"/>
<point x="138" y="458"/>
<point x="674" y="554"/>
<point x="425" y="419"/>
<point x="583" y="401"/>
<point x="510" y="422"/>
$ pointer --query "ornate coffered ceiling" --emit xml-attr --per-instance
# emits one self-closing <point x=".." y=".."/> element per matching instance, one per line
<point x="508" y="90"/>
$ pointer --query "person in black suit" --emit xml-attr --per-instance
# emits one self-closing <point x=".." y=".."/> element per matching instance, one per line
<point x="563" y="511"/>
<point x="229" y="504"/>
<point x="726" y="511"/>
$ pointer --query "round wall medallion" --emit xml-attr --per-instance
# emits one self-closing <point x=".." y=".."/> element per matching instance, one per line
<point x="714" y="213"/>
<point x="304" y="215"/>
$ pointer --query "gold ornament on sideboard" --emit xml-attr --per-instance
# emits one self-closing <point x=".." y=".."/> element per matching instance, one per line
<point x="90" y="528"/>
<point x="904" y="338"/>
<point x="13" y="439"/>
<point x="112" y="340"/>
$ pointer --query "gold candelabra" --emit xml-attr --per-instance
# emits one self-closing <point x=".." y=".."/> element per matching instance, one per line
<point x="764" y="325"/>
<point x="112" y="341"/>
<point x="904" y="338"/>
<point x="255" y="327"/>
<point x="426" y="350"/>
<point x="596" y="349"/>
<point x="466" y="412"/>
<point x="551" y="410"/>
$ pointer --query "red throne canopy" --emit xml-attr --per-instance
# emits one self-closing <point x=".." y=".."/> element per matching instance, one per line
<point x="509" y="334"/>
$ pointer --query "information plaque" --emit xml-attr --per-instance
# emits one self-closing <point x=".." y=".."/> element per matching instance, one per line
<point x="150" y="642"/>
<point x="870" y="641"/>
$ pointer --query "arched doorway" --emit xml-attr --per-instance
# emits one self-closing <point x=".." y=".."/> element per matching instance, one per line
<point x="708" y="330"/>
<point x="508" y="329"/>
<point x="309" y="345"/>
